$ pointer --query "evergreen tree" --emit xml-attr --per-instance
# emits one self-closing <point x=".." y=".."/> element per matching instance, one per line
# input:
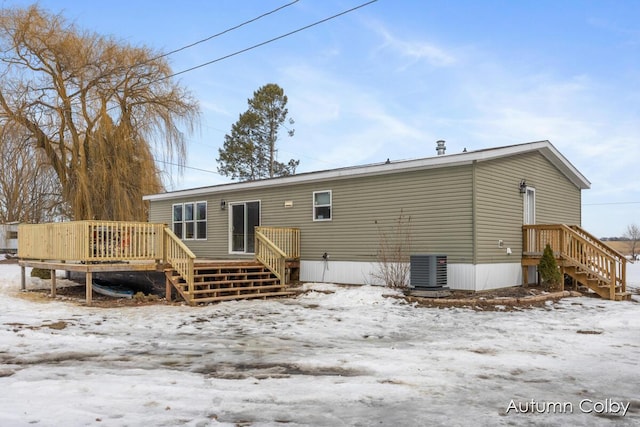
<point x="548" y="268"/>
<point x="249" y="152"/>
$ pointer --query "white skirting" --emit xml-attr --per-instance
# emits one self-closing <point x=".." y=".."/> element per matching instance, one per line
<point x="459" y="276"/>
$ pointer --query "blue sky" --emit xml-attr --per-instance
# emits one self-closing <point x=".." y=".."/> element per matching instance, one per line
<point x="391" y="78"/>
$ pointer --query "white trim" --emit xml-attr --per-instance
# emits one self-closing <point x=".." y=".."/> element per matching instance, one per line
<point x="526" y="218"/>
<point x="544" y="147"/>
<point x="230" y="206"/>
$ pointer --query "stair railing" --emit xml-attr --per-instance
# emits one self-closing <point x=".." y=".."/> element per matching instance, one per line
<point x="618" y="259"/>
<point x="581" y="249"/>
<point x="268" y="253"/>
<point x="180" y="257"/>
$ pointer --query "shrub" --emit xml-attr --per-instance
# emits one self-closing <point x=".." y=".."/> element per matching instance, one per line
<point x="548" y="269"/>
<point x="394" y="248"/>
<point x="42" y="273"/>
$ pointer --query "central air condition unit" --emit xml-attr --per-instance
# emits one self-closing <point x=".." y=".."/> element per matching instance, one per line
<point x="428" y="271"/>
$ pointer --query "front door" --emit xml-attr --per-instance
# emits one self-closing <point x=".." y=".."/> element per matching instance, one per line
<point x="244" y="217"/>
<point x="530" y="218"/>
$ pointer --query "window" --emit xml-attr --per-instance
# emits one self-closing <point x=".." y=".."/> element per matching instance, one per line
<point x="322" y="205"/>
<point x="190" y="220"/>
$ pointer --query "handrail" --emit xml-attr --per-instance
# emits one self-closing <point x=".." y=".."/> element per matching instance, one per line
<point x="596" y="241"/>
<point x="584" y="251"/>
<point x="270" y="255"/>
<point x="180" y="257"/>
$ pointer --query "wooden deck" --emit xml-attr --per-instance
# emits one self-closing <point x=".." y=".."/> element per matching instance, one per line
<point x="580" y="255"/>
<point x="110" y="246"/>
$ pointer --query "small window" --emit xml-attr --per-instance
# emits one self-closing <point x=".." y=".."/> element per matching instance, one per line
<point x="13" y="235"/>
<point x="322" y="205"/>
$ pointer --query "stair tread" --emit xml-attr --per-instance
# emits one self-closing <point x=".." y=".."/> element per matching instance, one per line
<point x="234" y="289"/>
<point x="246" y="296"/>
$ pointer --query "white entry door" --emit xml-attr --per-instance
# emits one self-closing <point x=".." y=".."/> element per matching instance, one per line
<point x="529" y="217"/>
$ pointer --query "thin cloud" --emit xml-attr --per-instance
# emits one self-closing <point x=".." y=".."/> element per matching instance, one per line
<point x="415" y="50"/>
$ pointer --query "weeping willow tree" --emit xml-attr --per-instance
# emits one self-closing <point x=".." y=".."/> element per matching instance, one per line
<point x="99" y="110"/>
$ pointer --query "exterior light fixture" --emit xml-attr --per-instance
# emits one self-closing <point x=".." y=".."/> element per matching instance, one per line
<point x="523" y="186"/>
<point x="223" y="204"/>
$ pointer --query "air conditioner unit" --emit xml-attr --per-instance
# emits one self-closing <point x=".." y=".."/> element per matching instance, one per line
<point x="428" y="271"/>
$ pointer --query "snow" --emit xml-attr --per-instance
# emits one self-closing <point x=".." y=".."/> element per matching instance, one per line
<point x="333" y="356"/>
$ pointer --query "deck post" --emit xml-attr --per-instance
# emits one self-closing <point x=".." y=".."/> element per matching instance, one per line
<point x="23" y="278"/>
<point x="53" y="283"/>
<point x="89" y="286"/>
<point x="167" y="285"/>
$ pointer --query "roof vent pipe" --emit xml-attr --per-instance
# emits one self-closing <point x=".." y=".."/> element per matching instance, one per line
<point x="440" y="148"/>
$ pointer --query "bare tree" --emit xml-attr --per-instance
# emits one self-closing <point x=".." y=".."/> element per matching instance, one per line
<point x="29" y="190"/>
<point x="99" y="110"/>
<point x="632" y="234"/>
<point x="394" y="250"/>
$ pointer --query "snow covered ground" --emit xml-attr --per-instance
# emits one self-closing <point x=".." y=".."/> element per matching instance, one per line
<point x="334" y="356"/>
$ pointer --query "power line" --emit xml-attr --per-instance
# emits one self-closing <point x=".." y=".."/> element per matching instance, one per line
<point x="224" y="31"/>
<point x="186" y="167"/>
<point x="610" y="203"/>
<point x="268" y="41"/>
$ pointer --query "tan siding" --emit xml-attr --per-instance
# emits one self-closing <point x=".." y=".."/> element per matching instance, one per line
<point x="500" y="205"/>
<point x="436" y="200"/>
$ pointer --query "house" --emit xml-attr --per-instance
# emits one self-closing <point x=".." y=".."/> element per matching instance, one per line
<point x="9" y="237"/>
<point x="473" y="207"/>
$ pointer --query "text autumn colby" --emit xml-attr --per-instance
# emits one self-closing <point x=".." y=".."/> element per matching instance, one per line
<point x="587" y="406"/>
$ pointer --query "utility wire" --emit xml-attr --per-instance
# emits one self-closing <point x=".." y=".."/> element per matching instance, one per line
<point x="186" y="167"/>
<point x="224" y="32"/>
<point x="611" y="203"/>
<point x="268" y="41"/>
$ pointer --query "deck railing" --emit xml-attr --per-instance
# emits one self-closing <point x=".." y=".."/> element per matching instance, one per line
<point x="285" y="238"/>
<point x="275" y="245"/>
<point x="579" y="248"/>
<point x="91" y="241"/>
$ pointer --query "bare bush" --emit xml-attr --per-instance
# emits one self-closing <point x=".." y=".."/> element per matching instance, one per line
<point x="394" y="249"/>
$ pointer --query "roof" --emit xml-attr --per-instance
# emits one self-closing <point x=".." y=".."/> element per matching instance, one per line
<point x="446" y="160"/>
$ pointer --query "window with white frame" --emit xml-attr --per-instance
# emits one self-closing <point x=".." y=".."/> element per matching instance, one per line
<point x="190" y="220"/>
<point x="322" y="205"/>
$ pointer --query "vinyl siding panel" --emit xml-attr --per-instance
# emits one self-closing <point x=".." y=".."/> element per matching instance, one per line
<point x="437" y="201"/>
<point x="500" y="205"/>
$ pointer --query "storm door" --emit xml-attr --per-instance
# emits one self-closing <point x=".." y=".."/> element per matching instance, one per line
<point x="244" y="217"/>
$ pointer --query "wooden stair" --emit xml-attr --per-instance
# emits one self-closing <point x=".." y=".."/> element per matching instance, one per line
<point x="594" y="282"/>
<point x="215" y="281"/>
<point x="581" y="256"/>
